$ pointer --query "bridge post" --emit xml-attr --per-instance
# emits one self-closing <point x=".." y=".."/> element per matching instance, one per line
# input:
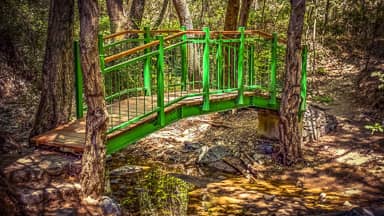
<point x="220" y="62"/>
<point x="184" y="62"/>
<point x="78" y="80"/>
<point x="272" y="84"/>
<point x="160" y="82"/>
<point x="147" y="63"/>
<point x="240" y="66"/>
<point x="251" y="65"/>
<point x="303" y="89"/>
<point x="206" y="70"/>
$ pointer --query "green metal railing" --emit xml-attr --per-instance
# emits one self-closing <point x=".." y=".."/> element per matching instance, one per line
<point x="145" y="72"/>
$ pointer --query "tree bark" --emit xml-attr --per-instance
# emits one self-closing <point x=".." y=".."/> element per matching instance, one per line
<point x="326" y="16"/>
<point x="231" y="14"/>
<point x="183" y="13"/>
<point x="57" y="90"/>
<point x="136" y="14"/>
<point x="117" y="15"/>
<point x="93" y="159"/>
<point x="289" y="130"/>
<point x="244" y="12"/>
<point x="185" y="19"/>
<point x="161" y="15"/>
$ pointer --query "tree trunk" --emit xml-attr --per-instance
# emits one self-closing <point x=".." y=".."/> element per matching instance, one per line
<point x="230" y="22"/>
<point x="244" y="12"/>
<point x="161" y="15"/>
<point x="57" y="91"/>
<point x="326" y="16"/>
<point x="136" y="14"/>
<point x="183" y="13"/>
<point x="93" y="160"/>
<point x="263" y="16"/>
<point x="185" y="19"/>
<point x="290" y="133"/>
<point x="117" y="15"/>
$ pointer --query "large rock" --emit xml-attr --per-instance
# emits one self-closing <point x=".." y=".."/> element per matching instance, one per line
<point x="212" y="157"/>
<point x="316" y="123"/>
<point x="109" y="207"/>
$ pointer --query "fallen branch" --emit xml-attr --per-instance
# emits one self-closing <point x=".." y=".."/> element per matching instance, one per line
<point x="236" y="163"/>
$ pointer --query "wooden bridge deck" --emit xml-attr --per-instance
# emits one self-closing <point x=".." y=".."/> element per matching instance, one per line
<point x="71" y="136"/>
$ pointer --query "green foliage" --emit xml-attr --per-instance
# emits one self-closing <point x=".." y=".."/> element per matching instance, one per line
<point x="379" y="75"/>
<point x="377" y="127"/>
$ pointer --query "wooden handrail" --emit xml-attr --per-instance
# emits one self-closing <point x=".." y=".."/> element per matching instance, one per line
<point x="138" y="32"/>
<point x="139" y="48"/>
<point x="122" y="33"/>
<point x="178" y="34"/>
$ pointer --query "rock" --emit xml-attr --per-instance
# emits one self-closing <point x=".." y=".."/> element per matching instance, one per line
<point x="57" y="168"/>
<point x="19" y="176"/>
<point x="51" y="194"/>
<point x="109" y="207"/>
<point x="299" y="184"/>
<point x="127" y="170"/>
<point x="316" y="123"/>
<point x="322" y="197"/>
<point x="30" y="197"/>
<point x="213" y="158"/>
<point x="190" y="146"/>
<point x="258" y="157"/>
<point x="268" y="197"/>
<point x="347" y="203"/>
<point x="68" y="191"/>
<point x="221" y="166"/>
<point x="213" y="154"/>
<point x="66" y="212"/>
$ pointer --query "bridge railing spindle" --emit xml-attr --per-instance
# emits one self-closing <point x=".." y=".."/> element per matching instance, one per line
<point x="78" y="81"/>
<point x="272" y="82"/>
<point x="240" y="66"/>
<point x="147" y="63"/>
<point x="160" y="82"/>
<point x="206" y="70"/>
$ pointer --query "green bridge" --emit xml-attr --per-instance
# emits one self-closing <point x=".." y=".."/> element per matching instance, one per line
<point x="155" y="77"/>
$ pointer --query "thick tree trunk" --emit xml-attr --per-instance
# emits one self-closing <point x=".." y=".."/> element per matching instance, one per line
<point x="231" y="14"/>
<point x="57" y="91"/>
<point x="244" y="12"/>
<point x="117" y="15"/>
<point x="230" y="24"/>
<point x="290" y="132"/>
<point x="93" y="160"/>
<point x="136" y="14"/>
